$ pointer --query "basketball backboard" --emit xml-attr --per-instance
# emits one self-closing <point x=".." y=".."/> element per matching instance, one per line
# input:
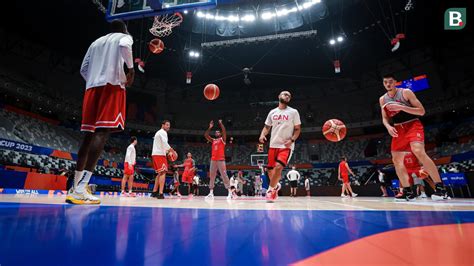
<point x="133" y="9"/>
<point x="258" y="159"/>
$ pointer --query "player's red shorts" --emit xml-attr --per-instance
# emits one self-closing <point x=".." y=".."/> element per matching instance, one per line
<point x="104" y="107"/>
<point x="160" y="163"/>
<point x="407" y="133"/>
<point x="128" y="169"/>
<point x="345" y="178"/>
<point x="282" y="156"/>
<point x="188" y="176"/>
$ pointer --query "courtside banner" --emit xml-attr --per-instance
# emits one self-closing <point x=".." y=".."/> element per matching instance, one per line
<point x="454" y="179"/>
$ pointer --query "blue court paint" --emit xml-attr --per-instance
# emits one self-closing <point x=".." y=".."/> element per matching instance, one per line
<point x="43" y="234"/>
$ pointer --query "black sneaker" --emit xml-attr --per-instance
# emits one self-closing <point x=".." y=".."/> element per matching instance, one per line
<point x="406" y="195"/>
<point x="440" y="192"/>
<point x="154" y="194"/>
<point x="160" y="196"/>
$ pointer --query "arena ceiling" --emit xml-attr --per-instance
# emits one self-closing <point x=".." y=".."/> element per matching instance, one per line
<point x="70" y="26"/>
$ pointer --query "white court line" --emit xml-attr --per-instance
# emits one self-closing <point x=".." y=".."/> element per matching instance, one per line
<point x="350" y="206"/>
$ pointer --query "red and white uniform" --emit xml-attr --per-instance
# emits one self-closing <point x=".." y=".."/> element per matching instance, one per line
<point x="102" y="69"/>
<point x="409" y="127"/>
<point x="160" y="148"/>
<point x="283" y="122"/>
<point x="218" y="150"/>
<point x="344" y="171"/>
<point x="130" y="160"/>
<point x="188" y="173"/>
<point x="413" y="166"/>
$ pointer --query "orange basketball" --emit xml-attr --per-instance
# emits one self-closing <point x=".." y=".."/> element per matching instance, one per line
<point x="172" y="155"/>
<point x="211" y="92"/>
<point x="156" y="46"/>
<point x="334" y="130"/>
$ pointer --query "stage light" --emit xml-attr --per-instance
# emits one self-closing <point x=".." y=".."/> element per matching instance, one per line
<point x="200" y="14"/>
<point x="267" y="15"/>
<point x="340" y="39"/>
<point x="209" y="16"/>
<point x="332" y="42"/>
<point x="185" y="11"/>
<point x="248" y="18"/>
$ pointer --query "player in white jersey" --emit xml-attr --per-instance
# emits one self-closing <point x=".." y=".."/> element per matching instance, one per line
<point x="103" y="107"/>
<point x="160" y="160"/>
<point x="285" y="125"/>
<point x="129" y="168"/>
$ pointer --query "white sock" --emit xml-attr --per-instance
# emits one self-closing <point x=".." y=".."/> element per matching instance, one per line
<point x="211" y="192"/>
<point x="77" y="177"/>
<point x="81" y="186"/>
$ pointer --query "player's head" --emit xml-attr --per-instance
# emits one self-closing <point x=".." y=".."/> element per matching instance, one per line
<point x="133" y="140"/>
<point x="166" y="125"/>
<point x="343" y="158"/>
<point x="389" y="82"/>
<point x="118" y="25"/>
<point x="189" y="155"/>
<point x="218" y="134"/>
<point x="284" y="97"/>
<point x="293" y="167"/>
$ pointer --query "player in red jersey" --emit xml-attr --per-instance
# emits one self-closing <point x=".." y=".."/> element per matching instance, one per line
<point x="343" y="175"/>
<point x="218" y="158"/>
<point x="189" y="171"/>
<point x="401" y="110"/>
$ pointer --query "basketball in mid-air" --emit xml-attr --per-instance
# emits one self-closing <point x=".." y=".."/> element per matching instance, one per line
<point x="156" y="46"/>
<point x="211" y="92"/>
<point x="334" y="130"/>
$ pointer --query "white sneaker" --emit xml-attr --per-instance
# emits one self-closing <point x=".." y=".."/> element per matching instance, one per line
<point x="211" y="195"/>
<point x="81" y="198"/>
<point x="423" y="195"/>
<point x="229" y="196"/>
<point x="343" y="195"/>
<point x="91" y="197"/>
<point x="354" y="195"/>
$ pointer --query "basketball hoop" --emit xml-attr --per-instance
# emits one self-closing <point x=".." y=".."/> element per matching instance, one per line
<point x="163" y="25"/>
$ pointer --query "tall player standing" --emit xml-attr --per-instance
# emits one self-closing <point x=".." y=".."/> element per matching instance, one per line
<point x="285" y="125"/>
<point x="103" y="108"/>
<point x="402" y="108"/>
<point x="218" y="158"/>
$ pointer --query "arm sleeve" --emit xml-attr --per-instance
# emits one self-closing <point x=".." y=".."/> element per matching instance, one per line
<point x="128" y="156"/>
<point x="126" y="53"/>
<point x="164" y="141"/>
<point x="297" y="120"/>
<point x="85" y="64"/>
<point x="126" y="50"/>
<point x="268" y="121"/>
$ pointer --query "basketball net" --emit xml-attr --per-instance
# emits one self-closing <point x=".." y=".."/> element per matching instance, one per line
<point x="163" y="25"/>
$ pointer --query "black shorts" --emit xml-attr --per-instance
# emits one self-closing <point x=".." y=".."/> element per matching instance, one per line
<point x="294" y="183"/>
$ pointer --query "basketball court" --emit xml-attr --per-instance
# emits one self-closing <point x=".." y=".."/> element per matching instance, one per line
<point x="250" y="231"/>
